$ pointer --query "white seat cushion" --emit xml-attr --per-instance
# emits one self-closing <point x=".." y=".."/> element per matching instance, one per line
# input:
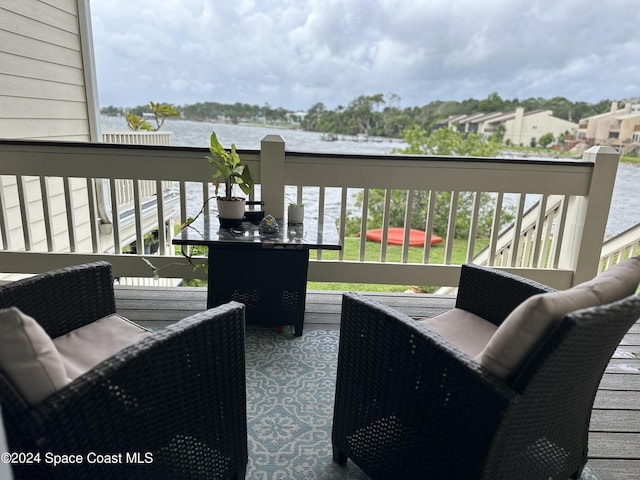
<point x="28" y="357"/>
<point x="526" y="326"/>
<point x="469" y="332"/>
<point x="87" y="346"/>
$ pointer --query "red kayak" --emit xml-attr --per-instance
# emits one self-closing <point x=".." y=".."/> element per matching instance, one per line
<point x="396" y="237"/>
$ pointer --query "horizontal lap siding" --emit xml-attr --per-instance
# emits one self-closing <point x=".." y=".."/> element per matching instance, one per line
<point x="42" y="92"/>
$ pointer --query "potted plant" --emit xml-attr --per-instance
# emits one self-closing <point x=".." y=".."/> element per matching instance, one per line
<point x="295" y="212"/>
<point x="230" y="171"/>
<point x="227" y="170"/>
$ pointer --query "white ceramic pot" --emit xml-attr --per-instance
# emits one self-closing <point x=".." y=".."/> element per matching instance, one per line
<point x="231" y="209"/>
<point x="295" y="214"/>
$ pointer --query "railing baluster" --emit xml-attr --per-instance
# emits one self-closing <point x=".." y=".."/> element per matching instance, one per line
<point x="46" y="210"/>
<point x="451" y="228"/>
<point x="115" y="214"/>
<point x="473" y="226"/>
<point x="321" y="201"/>
<point x="429" y="226"/>
<point x="183" y="202"/>
<point x="93" y="215"/>
<point x="71" y="214"/>
<point x="205" y="198"/>
<point x="162" y="228"/>
<point x="537" y="247"/>
<point x="137" y="209"/>
<point x="407" y="226"/>
<point x="550" y="226"/>
<point x="24" y="209"/>
<point x="363" y="223"/>
<point x="4" y="226"/>
<point x="514" y="258"/>
<point x="559" y="232"/>
<point x="495" y="229"/>
<point x="386" y="212"/>
<point x="343" y="219"/>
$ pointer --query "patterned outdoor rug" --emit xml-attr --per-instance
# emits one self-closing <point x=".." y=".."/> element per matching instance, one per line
<point x="290" y="388"/>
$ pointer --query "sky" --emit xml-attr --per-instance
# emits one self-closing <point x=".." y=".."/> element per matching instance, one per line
<point x="297" y="53"/>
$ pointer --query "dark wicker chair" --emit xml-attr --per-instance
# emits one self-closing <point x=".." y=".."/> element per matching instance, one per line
<point x="410" y="405"/>
<point x="177" y="398"/>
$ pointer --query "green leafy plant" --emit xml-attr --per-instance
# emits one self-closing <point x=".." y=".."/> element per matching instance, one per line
<point x="545" y="140"/>
<point x="136" y="123"/>
<point x="293" y="203"/>
<point x="441" y="142"/>
<point x="160" y="111"/>
<point x="228" y="168"/>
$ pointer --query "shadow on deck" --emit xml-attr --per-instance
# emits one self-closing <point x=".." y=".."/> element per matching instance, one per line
<point x="614" y="439"/>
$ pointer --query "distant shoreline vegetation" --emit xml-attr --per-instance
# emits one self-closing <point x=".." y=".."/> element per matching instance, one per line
<point x="377" y="115"/>
<point x="374" y="115"/>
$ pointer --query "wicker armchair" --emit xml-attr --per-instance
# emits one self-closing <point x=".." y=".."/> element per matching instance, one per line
<point x="409" y="404"/>
<point x="171" y="406"/>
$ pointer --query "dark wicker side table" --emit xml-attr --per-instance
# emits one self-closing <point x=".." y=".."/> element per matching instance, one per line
<point x="266" y="272"/>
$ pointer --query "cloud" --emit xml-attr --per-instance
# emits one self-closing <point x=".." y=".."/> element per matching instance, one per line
<point x="295" y="53"/>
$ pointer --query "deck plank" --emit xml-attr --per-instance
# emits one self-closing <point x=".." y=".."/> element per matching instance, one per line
<point x="614" y="439"/>
<point x="616" y="469"/>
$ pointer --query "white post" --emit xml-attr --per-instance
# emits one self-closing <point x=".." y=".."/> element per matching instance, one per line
<point x="89" y="70"/>
<point x="587" y="217"/>
<point x="272" y="175"/>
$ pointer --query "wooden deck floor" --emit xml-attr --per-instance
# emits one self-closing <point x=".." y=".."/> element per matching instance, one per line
<point x="614" y="440"/>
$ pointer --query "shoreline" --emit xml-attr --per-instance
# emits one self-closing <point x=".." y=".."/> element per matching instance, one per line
<point x="518" y="152"/>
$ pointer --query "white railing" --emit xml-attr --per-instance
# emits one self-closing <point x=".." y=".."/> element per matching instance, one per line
<point x="124" y="189"/>
<point x="530" y="240"/>
<point x="614" y="249"/>
<point x="621" y="247"/>
<point x="136" y="137"/>
<point x="585" y="187"/>
<point x="330" y="181"/>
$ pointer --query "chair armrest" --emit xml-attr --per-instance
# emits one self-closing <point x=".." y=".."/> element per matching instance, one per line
<point x="492" y="294"/>
<point x="389" y="368"/>
<point x="179" y="394"/>
<point x="64" y="299"/>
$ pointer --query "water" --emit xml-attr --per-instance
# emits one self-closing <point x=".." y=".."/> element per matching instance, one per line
<point x="187" y="133"/>
<point x="625" y="204"/>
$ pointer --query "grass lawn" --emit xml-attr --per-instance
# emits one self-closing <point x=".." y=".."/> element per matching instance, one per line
<point x="630" y="159"/>
<point x="351" y="249"/>
<point x="394" y="254"/>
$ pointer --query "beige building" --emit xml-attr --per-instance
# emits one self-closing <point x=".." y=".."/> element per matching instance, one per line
<point x="620" y="128"/>
<point x="526" y="128"/>
<point x="521" y="128"/>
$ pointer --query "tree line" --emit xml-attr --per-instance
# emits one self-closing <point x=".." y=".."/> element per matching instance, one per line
<point x="376" y="115"/>
<point x="214" y="111"/>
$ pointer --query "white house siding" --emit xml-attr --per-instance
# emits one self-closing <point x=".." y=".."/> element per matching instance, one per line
<point x="42" y="88"/>
<point x="43" y="96"/>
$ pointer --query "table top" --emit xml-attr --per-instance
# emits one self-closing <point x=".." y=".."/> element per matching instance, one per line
<point x="206" y="231"/>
